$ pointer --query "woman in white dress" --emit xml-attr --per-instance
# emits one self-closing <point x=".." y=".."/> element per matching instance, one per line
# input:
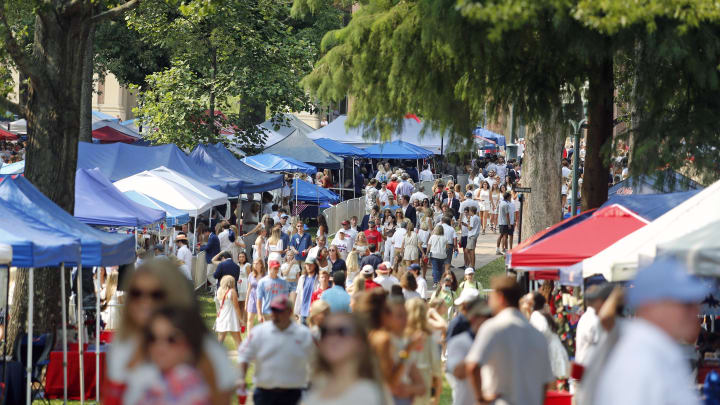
<point x="110" y="297"/>
<point x="482" y="196"/>
<point x="259" y="247"/>
<point x="494" y="204"/>
<point x="274" y="243"/>
<point x="410" y="246"/>
<point x="228" y="316"/>
<point x="346" y="369"/>
<point x="242" y="282"/>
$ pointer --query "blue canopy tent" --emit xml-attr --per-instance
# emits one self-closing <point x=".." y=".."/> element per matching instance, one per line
<point x="118" y="160"/>
<point x="13" y="168"/>
<point x="339" y="148"/>
<point x="305" y="191"/>
<point x="220" y="163"/>
<point x="173" y="216"/>
<point x="300" y="147"/>
<point x="650" y="206"/>
<point x="665" y="181"/>
<point x="397" y="150"/>
<point x="272" y="163"/>
<point x="98" y="202"/>
<point x="489" y="136"/>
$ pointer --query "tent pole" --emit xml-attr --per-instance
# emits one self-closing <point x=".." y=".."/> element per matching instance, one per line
<point x="5" y="317"/>
<point x="354" y="186"/>
<point x="97" y="340"/>
<point x="28" y="365"/>
<point x="195" y="233"/>
<point x="64" y="331"/>
<point x="81" y="330"/>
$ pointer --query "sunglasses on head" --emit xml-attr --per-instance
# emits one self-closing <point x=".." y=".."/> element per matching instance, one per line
<point x="339" y="331"/>
<point x="155" y="295"/>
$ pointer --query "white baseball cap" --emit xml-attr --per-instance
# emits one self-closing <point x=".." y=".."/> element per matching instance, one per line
<point x="469" y="270"/>
<point x="367" y="269"/>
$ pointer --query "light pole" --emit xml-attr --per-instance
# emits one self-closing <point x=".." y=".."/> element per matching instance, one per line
<point x="577" y="127"/>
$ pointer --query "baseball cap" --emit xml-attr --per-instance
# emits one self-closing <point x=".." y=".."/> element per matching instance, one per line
<point x="280" y="303"/>
<point x="367" y="269"/>
<point x="159" y="247"/>
<point x="342" y="231"/>
<point x="414" y="266"/>
<point x="273" y="263"/>
<point x="665" y="279"/>
<point x="469" y="270"/>
<point x="284" y="216"/>
<point x="383" y="266"/>
<point x="345" y="222"/>
<point x="467" y="295"/>
<point x="310" y="260"/>
<point x="468" y="194"/>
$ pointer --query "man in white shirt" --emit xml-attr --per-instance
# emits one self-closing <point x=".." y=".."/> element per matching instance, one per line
<point x="514" y="351"/>
<point x="350" y="233"/>
<point x="404" y="188"/>
<point x="184" y="255"/>
<point x="647" y="364"/>
<point x="418" y="195"/>
<point x="285" y="224"/>
<point x="384" y="278"/>
<point x="589" y="332"/>
<point x="472" y="224"/>
<point x="397" y="241"/>
<point x="501" y="168"/>
<point x="457" y="348"/>
<point x="281" y="350"/>
<point x="504" y="223"/>
<point x="566" y="169"/>
<point x="384" y="195"/>
<point x="468" y="202"/>
<point x="313" y="252"/>
<point x="426" y="174"/>
<point x="342" y="243"/>
<point x="451" y="237"/>
<point x="224" y="236"/>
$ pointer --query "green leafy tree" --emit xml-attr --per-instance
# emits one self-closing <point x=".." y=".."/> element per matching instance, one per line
<point x="244" y="58"/>
<point x="451" y="60"/>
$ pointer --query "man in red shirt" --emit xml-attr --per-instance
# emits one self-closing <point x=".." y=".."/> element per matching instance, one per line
<point x="373" y="236"/>
<point x="393" y="184"/>
<point x="367" y="272"/>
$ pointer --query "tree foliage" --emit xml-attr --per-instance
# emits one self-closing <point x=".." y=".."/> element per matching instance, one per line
<point x="244" y="58"/>
<point x="451" y="60"/>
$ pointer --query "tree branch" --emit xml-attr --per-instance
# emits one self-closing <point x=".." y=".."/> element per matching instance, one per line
<point x="12" y="106"/>
<point x="16" y="52"/>
<point x="114" y="12"/>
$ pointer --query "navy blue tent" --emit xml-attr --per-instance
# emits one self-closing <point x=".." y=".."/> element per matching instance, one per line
<point x="339" y="148"/>
<point x="272" y="163"/>
<point x="173" y="216"/>
<point x="98" y="248"/>
<point x="300" y="147"/>
<point x="117" y="161"/>
<point x="220" y="163"/>
<point x="489" y="136"/>
<point x="397" y="150"/>
<point x="98" y="202"/>
<point x="650" y="206"/>
<point x="666" y="181"/>
<point x="311" y="193"/>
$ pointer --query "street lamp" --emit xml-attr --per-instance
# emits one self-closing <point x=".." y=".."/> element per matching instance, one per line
<point x="577" y="127"/>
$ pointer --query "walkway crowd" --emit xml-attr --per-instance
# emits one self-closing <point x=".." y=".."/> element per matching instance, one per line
<point x="346" y="316"/>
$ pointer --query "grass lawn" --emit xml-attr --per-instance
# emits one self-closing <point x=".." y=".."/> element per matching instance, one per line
<point x="484" y="274"/>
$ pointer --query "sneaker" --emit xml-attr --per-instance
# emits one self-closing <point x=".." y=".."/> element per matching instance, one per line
<point x="498" y="252"/>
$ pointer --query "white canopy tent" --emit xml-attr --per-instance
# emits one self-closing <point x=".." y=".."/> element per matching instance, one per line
<point x="5" y="254"/>
<point x="166" y="191"/>
<point x="216" y="197"/>
<point x="18" y="127"/>
<point x="620" y="261"/>
<point x="700" y="250"/>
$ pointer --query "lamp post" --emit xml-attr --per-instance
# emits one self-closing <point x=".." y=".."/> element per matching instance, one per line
<point x="577" y="127"/>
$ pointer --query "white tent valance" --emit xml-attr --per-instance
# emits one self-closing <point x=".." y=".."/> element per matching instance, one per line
<point x="166" y="191"/>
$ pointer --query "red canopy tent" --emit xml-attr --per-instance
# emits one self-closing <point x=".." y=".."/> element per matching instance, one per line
<point x="7" y="135"/>
<point x="109" y="134"/>
<point x="578" y="242"/>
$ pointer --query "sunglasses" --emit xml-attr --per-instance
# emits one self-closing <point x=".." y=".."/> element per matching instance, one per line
<point x="276" y="310"/>
<point x="339" y="331"/>
<point x="171" y="339"/>
<point x="155" y="295"/>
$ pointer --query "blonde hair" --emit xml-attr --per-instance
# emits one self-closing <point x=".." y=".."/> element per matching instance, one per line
<point x="318" y="307"/>
<point x="226" y="283"/>
<point x="439" y="230"/>
<point x="274" y="235"/>
<point x="176" y="289"/>
<point x="352" y="263"/>
<point x="416" y="316"/>
<point x="358" y="284"/>
<point x="110" y="286"/>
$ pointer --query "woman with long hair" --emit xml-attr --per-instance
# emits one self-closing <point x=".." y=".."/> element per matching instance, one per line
<point x="257" y="272"/>
<point x="259" y="247"/>
<point x="428" y="358"/>
<point x="307" y="284"/>
<point x="423" y="238"/>
<point x="242" y="283"/>
<point x="387" y="319"/>
<point x="410" y="246"/>
<point x="110" y="299"/>
<point x="482" y="196"/>
<point x="322" y="230"/>
<point x="318" y="311"/>
<point x="155" y="284"/>
<point x="274" y="243"/>
<point x="361" y="243"/>
<point x="346" y="370"/>
<point x="495" y="197"/>
<point x="353" y="267"/>
<point x="228" y="316"/>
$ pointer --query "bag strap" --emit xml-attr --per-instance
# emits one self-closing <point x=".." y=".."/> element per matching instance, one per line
<point x="223" y="301"/>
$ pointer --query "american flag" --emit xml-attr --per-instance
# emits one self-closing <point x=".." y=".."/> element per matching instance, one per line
<point x="298" y="208"/>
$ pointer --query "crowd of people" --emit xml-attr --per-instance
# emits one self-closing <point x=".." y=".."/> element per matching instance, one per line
<point x="11" y="152"/>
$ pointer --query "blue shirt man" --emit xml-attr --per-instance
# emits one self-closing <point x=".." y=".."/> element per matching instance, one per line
<point x="301" y="241"/>
<point x="269" y="287"/>
<point x="227" y="267"/>
<point x="212" y="247"/>
<point x="336" y="296"/>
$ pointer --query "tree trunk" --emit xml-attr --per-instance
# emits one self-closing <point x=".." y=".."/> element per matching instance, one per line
<point x="213" y="75"/>
<point x="86" y="92"/>
<point x="541" y="171"/>
<point x="597" y="166"/>
<point x="53" y="119"/>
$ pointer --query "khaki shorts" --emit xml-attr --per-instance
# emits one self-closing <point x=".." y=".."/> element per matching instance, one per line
<point x="471" y="242"/>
